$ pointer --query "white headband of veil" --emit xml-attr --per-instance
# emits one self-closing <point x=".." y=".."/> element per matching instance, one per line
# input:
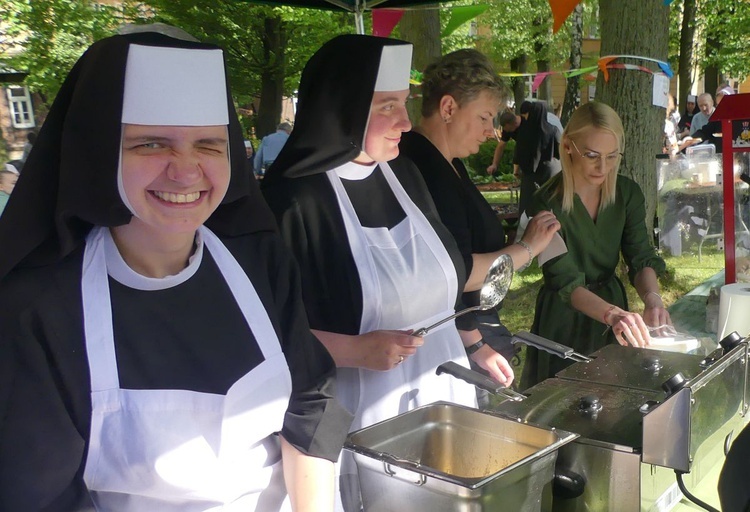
<point x="173" y="87"/>
<point x="394" y="72"/>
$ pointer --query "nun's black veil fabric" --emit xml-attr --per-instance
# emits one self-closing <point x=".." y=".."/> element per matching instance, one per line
<point x="333" y="107"/>
<point x="69" y="181"/>
<point x="536" y="140"/>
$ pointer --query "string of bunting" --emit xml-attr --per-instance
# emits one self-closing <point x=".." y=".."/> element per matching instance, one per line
<point x="604" y="65"/>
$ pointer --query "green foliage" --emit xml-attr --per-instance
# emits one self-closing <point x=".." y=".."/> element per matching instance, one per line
<point x="52" y="35"/>
<point x="477" y="164"/>
<point x="523" y="27"/>
<point x="727" y="21"/>
<point x="238" y="27"/>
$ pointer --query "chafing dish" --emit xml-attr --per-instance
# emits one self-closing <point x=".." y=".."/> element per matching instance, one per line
<point x="446" y="457"/>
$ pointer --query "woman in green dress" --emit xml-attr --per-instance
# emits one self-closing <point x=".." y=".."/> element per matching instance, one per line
<point x="582" y="303"/>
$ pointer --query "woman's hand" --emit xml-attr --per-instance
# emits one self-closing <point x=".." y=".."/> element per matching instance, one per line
<point x="628" y="328"/>
<point x="376" y="350"/>
<point x="540" y="230"/>
<point x="656" y="316"/>
<point x="494" y="363"/>
<point x="384" y="350"/>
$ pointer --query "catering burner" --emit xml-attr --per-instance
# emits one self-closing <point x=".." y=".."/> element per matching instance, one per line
<point x="641" y="415"/>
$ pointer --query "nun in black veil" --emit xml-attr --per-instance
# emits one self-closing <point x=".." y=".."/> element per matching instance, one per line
<point x="153" y="336"/>
<point x="537" y="152"/>
<point x="376" y="262"/>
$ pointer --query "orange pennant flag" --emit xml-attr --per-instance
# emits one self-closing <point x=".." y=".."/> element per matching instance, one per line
<point x="561" y="9"/>
<point x="603" y="62"/>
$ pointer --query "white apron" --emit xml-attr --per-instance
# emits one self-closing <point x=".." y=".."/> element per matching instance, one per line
<point x="178" y="450"/>
<point x="408" y="281"/>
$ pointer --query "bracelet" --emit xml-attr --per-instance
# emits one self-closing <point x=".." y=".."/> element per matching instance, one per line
<point x="604" y="318"/>
<point x="531" y="254"/>
<point x="476" y="346"/>
<point x="654" y="293"/>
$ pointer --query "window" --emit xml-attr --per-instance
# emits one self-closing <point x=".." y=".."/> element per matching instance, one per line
<point x="21" y="110"/>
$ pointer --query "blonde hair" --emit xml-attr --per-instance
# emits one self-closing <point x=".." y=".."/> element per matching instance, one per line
<point x="590" y="116"/>
<point x="464" y="75"/>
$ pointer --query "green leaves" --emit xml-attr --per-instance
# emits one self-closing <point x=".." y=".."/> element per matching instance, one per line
<point x="46" y="37"/>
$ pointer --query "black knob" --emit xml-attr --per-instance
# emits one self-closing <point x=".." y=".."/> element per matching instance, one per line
<point x="590" y="403"/>
<point x="674" y="383"/>
<point x="652" y="363"/>
<point x="730" y="341"/>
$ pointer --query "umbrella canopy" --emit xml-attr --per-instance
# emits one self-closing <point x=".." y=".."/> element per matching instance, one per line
<point x="355" y="6"/>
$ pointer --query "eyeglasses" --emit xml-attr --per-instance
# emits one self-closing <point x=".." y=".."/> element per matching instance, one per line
<point x="594" y="157"/>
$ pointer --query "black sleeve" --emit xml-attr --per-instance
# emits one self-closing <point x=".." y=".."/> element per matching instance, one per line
<point x="42" y="451"/>
<point x="309" y="222"/>
<point x="315" y="422"/>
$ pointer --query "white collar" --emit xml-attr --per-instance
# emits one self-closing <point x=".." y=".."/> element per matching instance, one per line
<point x="119" y="270"/>
<point x="354" y="171"/>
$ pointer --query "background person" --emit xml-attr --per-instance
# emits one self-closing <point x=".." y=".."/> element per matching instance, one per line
<point x="270" y="147"/>
<point x="376" y="261"/>
<point x="28" y="146"/>
<point x="602" y="216"/>
<point x="510" y="123"/>
<point x="536" y="158"/>
<point x="691" y="108"/>
<point x="8" y="181"/>
<point x="706" y="106"/>
<point x="156" y="360"/>
<point x="461" y="94"/>
<point x="250" y="154"/>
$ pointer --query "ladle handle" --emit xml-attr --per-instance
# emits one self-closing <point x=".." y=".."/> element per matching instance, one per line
<point x="550" y="346"/>
<point x="424" y="330"/>
<point x="478" y="380"/>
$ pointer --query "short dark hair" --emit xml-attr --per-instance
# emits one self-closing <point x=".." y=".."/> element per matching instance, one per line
<point x="506" y="117"/>
<point x="463" y="74"/>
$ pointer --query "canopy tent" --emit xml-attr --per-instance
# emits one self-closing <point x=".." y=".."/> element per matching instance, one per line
<point x="358" y="7"/>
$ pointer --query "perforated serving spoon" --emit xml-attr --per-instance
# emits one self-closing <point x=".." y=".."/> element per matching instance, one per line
<point x="495" y="287"/>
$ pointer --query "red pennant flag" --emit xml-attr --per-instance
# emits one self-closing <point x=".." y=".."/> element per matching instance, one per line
<point x="385" y="20"/>
<point x="561" y="9"/>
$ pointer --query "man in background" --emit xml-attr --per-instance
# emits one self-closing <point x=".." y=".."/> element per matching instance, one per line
<point x="7" y="182"/>
<point x="706" y="104"/>
<point x="510" y="123"/>
<point x="270" y="147"/>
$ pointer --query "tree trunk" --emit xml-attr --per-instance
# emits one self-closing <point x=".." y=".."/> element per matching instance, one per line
<point x="573" y="87"/>
<point x="635" y="27"/>
<point x="422" y="29"/>
<point x="711" y="72"/>
<point x="687" y="34"/>
<point x="272" y="76"/>
<point x="519" y="65"/>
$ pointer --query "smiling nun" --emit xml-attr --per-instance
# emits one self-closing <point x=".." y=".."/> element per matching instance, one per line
<point x="159" y="354"/>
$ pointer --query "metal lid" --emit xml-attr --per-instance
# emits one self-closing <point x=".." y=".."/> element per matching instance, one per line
<point x="603" y="415"/>
<point x="630" y="367"/>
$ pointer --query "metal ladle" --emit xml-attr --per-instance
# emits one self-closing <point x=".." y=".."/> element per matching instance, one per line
<point x="493" y="291"/>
